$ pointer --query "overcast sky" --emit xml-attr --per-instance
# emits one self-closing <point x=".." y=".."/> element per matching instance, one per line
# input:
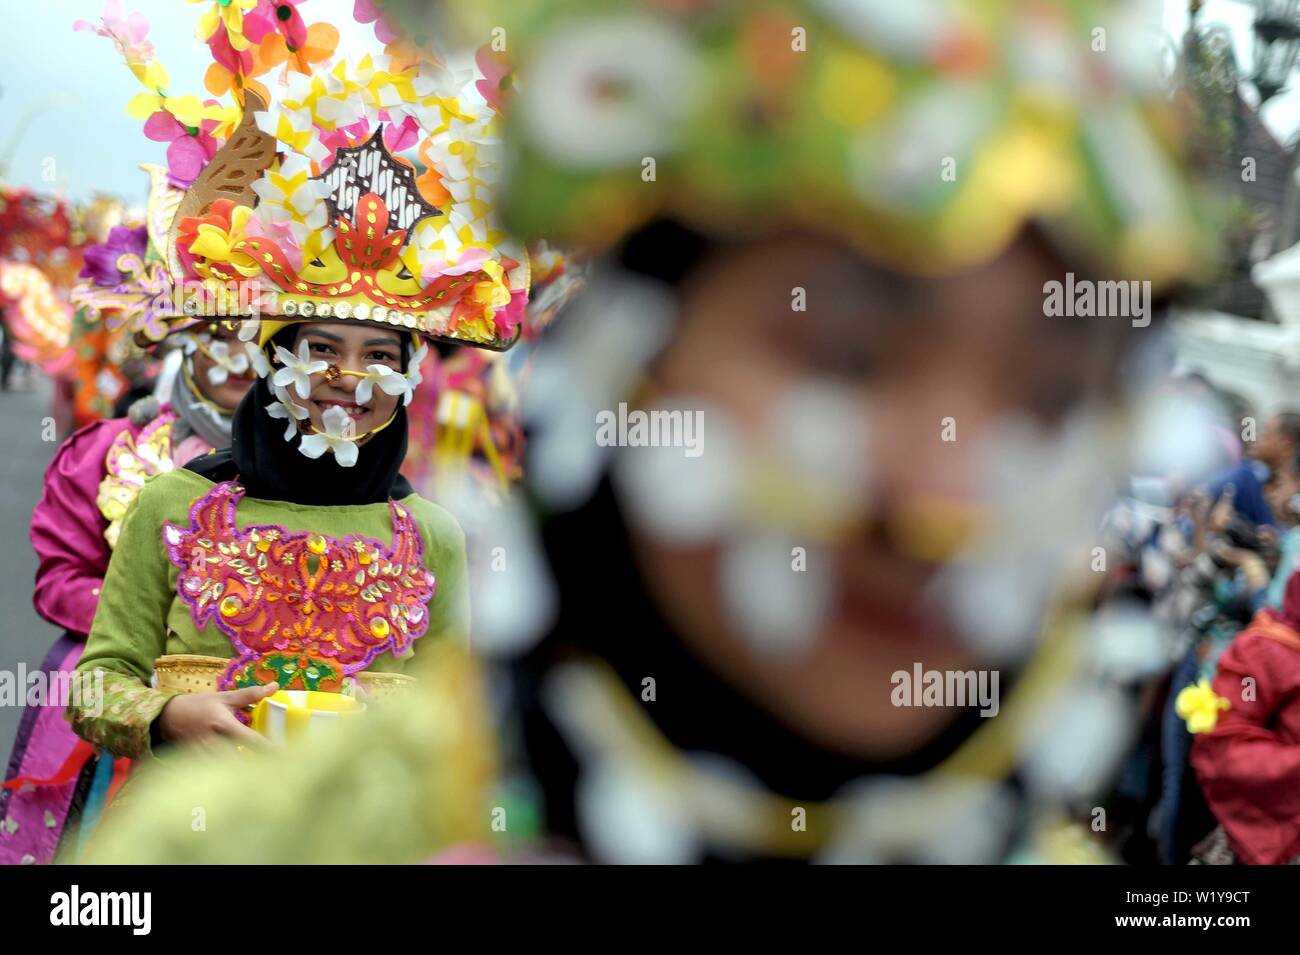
<point x="63" y="95"/>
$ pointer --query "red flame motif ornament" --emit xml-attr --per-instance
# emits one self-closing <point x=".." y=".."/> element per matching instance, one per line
<point x="374" y="205"/>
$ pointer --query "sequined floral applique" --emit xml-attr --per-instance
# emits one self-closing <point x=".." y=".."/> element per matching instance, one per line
<point x="132" y="460"/>
<point x="301" y="609"/>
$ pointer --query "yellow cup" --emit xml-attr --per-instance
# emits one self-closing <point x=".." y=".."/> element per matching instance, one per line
<point x="293" y="716"/>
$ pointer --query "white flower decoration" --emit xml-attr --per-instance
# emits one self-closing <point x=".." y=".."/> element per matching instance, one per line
<point x="288" y="197"/>
<point x="225" y="364"/>
<point x="297" y="370"/>
<point x="287" y="410"/>
<point x="389" y="381"/>
<point x="248" y="330"/>
<point x="413" y="374"/>
<point x="337" y="437"/>
<point x="258" y="359"/>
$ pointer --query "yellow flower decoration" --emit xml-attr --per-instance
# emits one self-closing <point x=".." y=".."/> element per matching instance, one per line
<point x="286" y="178"/>
<point x="492" y="293"/>
<point x="448" y="109"/>
<point x="229" y="12"/>
<point x="227" y="118"/>
<point x="218" y="245"/>
<point x="294" y="128"/>
<point x="187" y="110"/>
<point x="1200" y="706"/>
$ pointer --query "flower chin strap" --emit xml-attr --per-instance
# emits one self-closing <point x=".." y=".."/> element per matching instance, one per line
<point x="312" y="429"/>
<point x="224" y="363"/>
<point x="296" y="371"/>
<point x="333" y="373"/>
<point x="336" y="435"/>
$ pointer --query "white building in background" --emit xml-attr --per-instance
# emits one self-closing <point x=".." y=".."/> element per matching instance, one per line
<point x="1259" y="360"/>
<point x="1239" y="344"/>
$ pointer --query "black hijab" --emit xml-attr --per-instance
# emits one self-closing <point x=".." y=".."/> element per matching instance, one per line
<point x="273" y="469"/>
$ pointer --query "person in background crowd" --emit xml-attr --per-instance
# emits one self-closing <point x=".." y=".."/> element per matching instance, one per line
<point x="90" y="485"/>
<point x="1248" y="762"/>
<point x="1266" y="459"/>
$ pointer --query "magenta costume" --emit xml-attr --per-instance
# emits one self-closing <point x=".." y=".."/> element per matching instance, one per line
<point x="68" y="532"/>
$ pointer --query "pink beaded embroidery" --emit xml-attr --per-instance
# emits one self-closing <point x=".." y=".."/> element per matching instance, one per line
<point x="304" y="610"/>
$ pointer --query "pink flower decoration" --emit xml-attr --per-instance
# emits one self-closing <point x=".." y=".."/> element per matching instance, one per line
<point x="365" y="11"/>
<point x="129" y="34"/>
<point x="282" y="235"/>
<point x="333" y="139"/>
<point x="259" y="21"/>
<point x="186" y="158"/>
<point x="469" y="262"/>
<point x="496" y="69"/>
<point x="235" y="61"/>
<point x="507" y="318"/>
<point x="279" y="15"/>
<point x="400" y="136"/>
<point x="188" y="151"/>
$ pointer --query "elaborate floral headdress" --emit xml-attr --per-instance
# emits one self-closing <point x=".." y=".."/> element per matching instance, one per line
<point x="349" y="189"/>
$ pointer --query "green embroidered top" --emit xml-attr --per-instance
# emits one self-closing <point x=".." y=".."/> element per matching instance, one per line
<point x="142" y="615"/>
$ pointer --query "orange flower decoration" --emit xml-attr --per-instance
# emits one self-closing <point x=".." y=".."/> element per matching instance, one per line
<point x="220" y="81"/>
<point x="322" y="40"/>
<point x="403" y="54"/>
<point x="213" y="237"/>
<point x="429" y="182"/>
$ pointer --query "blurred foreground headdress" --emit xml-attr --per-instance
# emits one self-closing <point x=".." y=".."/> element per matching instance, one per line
<point x="928" y="133"/>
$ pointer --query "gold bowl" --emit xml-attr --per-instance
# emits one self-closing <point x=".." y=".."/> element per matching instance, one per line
<point x="193" y="673"/>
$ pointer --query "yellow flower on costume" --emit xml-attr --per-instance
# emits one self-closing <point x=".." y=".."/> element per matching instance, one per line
<point x="218" y="245"/>
<point x="290" y="197"/>
<point x="294" y="128"/>
<point x="448" y="110"/>
<point x="187" y="110"/>
<point x="1200" y="706"/>
<point x="229" y="12"/>
<point x="227" y="118"/>
<point x="473" y="318"/>
<point x="284" y="178"/>
<point x="492" y="293"/>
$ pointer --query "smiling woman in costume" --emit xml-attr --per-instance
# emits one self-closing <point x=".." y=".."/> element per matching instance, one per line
<point x="300" y="558"/>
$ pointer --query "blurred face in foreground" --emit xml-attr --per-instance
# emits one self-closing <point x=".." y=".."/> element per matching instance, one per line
<point x="929" y="369"/>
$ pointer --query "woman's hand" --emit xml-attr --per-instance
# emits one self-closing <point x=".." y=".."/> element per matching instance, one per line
<point x="208" y="719"/>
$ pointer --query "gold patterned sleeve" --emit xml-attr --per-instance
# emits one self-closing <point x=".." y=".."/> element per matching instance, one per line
<point x="128" y="635"/>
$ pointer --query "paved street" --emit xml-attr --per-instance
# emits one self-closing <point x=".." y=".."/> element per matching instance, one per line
<point x="24" y="636"/>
